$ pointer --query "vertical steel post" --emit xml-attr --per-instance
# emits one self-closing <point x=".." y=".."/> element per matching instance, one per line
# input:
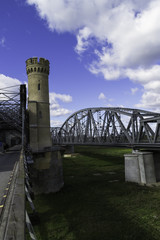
<point x="23" y="110"/>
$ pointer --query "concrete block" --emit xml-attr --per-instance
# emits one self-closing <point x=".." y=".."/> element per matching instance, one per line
<point x="69" y="149"/>
<point x="139" y="167"/>
<point x="156" y="157"/>
<point x="47" y="172"/>
<point x="132" y="173"/>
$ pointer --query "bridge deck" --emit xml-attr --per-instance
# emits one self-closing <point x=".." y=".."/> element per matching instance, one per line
<point x="7" y="162"/>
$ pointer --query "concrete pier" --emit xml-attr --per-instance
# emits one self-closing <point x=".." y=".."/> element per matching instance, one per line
<point x="47" y="172"/>
<point x="156" y="158"/>
<point x="140" y="167"/>
<point x="69" y="149"/>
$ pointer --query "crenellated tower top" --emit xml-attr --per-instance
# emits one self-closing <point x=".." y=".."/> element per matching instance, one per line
<point x="33" y="65"/>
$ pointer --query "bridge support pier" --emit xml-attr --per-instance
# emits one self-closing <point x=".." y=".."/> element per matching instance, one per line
<point x="156" y="158"/>
<point x="140" y="167"/>
<point x="69" y="149"/>
<point x="47" y="172"/>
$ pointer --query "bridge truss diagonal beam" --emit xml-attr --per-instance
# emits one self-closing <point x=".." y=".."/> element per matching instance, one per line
<point x="110" y="126"/>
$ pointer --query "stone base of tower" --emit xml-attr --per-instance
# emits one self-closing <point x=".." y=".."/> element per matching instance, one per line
<point x="47" y="172"/>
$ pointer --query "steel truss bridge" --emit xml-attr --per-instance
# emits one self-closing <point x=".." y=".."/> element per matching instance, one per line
<point x="110" y="127"/>
<point x="12" y="111"/>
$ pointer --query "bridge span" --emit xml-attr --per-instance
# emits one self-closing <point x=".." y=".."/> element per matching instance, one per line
<point x="125" y="127"/>
<point x="90" y="126"/>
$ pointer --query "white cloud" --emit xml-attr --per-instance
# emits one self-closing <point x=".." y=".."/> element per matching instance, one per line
<point x="54" y="105"/>
<point x="2" y="41"/>
<point x="63" y="97"/>
<point x="127" y="33"/>
<point x="109" y="73"/>
<point x="144" y="75"/>
<point x="127" y="39"/>
<point x="8" y="84"/>
<point x="134" y="90"/>
<point x="150" y="80"/>
<point x="56" y="123"/>
<point x="150" y="100"/>
<point x="55" y="109"/>
<point x="82" y="40"/>
<point x="101" y="96"/>
<point x="59" y="112"/>
<point x="6" y="81"/>
<point x="111" y="22"/>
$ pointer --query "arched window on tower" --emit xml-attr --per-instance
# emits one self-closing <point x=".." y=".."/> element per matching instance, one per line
<point x="39" y="86"/>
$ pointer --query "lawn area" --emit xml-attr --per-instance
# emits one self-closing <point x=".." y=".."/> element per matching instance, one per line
<point x="96" y="203"/>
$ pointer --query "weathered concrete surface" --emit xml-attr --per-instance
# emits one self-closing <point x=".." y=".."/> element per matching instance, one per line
<point x="4" y="178"/>
<point x="47" y="172"/>
<point x="156" y="157"/>
<point x="139" y="167"/>
<point x="7" y="161"/>
<point x="12" y="225"/>
<point x="132" y="173"/>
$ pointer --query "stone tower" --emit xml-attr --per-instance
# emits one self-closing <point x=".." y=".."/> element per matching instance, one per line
<point x="38" y="103"/>
<point x="47" y="172"/>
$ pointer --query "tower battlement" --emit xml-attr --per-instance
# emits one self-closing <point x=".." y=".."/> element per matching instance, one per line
<point x="35" y="65"/>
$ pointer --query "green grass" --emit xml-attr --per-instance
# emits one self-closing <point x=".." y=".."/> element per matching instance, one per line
<point x="96" y="203"/>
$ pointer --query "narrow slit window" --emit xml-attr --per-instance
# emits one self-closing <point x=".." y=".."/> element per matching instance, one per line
<point x="40" y="114"/>
<point x="39" y="86"/>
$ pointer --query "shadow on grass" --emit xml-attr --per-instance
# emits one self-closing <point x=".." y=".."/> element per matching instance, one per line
<point x="91" y="207"/>
<point x="108" y="155"/>
<point x="88" y="218"/>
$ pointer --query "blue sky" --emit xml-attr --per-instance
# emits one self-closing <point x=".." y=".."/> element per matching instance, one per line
<point x="102" y="53"/>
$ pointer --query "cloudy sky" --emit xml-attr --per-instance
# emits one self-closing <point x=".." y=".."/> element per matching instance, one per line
<point x="101" y="52"/>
